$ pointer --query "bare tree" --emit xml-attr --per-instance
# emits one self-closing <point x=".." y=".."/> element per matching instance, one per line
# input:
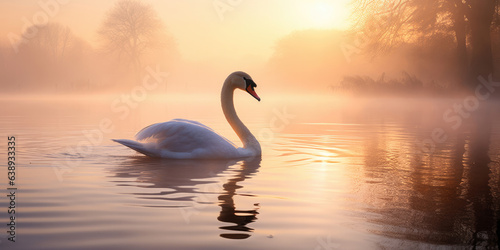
<point x="53" y="41"/>
<point x="129" y="30"/>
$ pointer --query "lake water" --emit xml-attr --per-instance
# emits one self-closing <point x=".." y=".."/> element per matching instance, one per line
<point x="334" y="174"/>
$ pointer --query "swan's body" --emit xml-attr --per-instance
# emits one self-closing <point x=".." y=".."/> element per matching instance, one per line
<point x="185" y="139"/>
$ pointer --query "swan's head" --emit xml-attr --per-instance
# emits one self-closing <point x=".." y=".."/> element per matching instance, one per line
<point x="243" y="81"/>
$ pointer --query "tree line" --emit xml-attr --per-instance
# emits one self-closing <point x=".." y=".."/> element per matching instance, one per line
<point x="469" y="23"/>
<point x="54" y="59"/>
<point x="439" y="44"/>
<point x="443" y="45"/>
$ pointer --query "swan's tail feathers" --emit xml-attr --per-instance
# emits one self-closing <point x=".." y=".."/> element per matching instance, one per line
<point x="137" y="146"/>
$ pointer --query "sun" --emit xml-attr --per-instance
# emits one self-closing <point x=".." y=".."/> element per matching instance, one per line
<point x="326" y="14"/>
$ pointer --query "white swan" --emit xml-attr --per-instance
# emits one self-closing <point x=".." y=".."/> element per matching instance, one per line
<point x="185" y="139"/>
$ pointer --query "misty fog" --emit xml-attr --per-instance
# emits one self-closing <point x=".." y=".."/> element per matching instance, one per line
<point x="378" y="122"/>
<point x="45" y="50"/>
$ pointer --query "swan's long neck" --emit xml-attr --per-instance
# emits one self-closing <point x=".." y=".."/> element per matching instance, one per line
<point x="246" y="137"/>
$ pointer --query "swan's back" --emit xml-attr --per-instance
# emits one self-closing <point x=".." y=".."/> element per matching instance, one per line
<point x="183" y="139"/>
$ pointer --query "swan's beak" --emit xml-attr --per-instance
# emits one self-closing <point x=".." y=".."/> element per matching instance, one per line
<point x="250" y="88"/>
<point x="251" y="91"/>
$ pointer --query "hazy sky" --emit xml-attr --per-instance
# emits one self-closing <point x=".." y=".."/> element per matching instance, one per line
<point x="205" y="30"/>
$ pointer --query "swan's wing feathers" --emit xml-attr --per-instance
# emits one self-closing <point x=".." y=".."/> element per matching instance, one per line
<point x="159" y="131"/>
<point x="181" y="135"/>
<point x="192" y="122"/>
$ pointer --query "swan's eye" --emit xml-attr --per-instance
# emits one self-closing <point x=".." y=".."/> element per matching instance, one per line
<point x="250" y="83"/>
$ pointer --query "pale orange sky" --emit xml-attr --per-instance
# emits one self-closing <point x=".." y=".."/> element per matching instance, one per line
<point x="246" y="30"/>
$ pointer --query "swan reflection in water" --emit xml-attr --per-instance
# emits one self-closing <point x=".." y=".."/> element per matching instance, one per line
<point x="228" y="212"/>
<point x="178" y="180"/>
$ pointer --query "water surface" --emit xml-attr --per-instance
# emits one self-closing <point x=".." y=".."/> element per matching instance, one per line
<point x="334" y="174"/>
